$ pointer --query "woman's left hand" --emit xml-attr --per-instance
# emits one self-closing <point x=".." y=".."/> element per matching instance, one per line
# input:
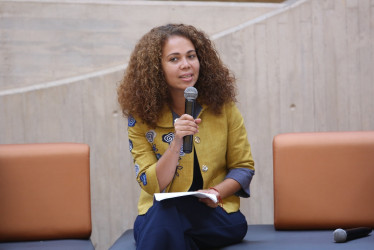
<point x="208" y="201"/>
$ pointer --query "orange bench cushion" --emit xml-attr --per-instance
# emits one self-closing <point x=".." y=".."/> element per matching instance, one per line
<point x="323" y="180"/>
<point x="44" y="191"/>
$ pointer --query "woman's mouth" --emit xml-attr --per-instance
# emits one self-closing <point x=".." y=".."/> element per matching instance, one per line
<point x="186" y="76"/>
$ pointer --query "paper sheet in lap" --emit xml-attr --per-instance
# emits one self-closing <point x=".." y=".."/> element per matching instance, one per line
<point x="163" y="196"/>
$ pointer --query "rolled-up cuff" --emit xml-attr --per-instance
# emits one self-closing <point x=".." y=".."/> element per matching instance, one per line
<point x="244" y="177"/>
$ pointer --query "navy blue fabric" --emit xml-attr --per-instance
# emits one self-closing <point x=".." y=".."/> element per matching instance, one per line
<point x="186" y="223"/>
<point x="48" y="245"/>
<point x="265" y="237"/>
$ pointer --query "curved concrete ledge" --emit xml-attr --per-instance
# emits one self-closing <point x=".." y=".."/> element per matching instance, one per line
<point x="44" y="41"/>
<point x="66" y="81"/>
<point x="257" y="7"/>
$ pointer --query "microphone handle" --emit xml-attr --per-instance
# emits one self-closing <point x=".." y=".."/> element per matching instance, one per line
<point x="359" y="232"/>
<point x="187" y="140"/>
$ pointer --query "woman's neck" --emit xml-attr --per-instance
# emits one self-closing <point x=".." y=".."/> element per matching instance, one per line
<point x="178" y="104"/>
<point x="178" y="108"/>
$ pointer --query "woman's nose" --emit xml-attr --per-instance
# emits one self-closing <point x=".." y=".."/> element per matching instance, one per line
<point x="185" y="63"/>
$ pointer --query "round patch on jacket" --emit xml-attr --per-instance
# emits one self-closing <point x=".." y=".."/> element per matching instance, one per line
<point x="168" y="138"/>
<point x="136" y="169"/>
<point x="150" y="135"/>
<point x="130" y="145"/>
<point x="131" y="121"/>
<point x="143" y="178"/>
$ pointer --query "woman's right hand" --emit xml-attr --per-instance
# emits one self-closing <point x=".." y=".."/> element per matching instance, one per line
<point x="185" y="125"/>
<point x="166" y="165"/>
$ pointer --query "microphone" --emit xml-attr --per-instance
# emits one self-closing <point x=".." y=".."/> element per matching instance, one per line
<point x="190" y="94"/>
<point x="341" y="235"/>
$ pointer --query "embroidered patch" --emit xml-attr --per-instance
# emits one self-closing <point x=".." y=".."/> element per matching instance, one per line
<point x="154" y="148"/>
<point x="150" y="135"/>
<point x="181" y="153"/>
<point x="136" y="169"/>
<point x="143" y="179"/>
<point x="179" y="168"/>
<point x="158" y="156"/>
<point x="130" y="145"/>
<point x="131" y="121"/>
<point x="168" y="138"/>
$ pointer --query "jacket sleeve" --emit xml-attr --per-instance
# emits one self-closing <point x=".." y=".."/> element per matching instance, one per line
<point x="145" y="160"/>
<point x="239" y="156"/>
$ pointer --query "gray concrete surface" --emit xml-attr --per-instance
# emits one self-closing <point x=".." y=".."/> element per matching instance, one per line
<point x="43" y="41"/>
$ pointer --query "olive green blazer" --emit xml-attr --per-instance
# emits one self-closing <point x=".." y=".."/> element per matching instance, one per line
<point x="221" y="144"/>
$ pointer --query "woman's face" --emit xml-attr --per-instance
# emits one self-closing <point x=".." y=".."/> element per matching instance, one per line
<point x="180" y="63"/>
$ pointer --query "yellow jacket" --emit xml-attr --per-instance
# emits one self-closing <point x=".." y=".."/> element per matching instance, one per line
<point x="221" y="144"/>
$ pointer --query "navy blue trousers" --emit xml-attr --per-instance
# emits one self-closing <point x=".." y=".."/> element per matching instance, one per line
<point x="185" y="223"/>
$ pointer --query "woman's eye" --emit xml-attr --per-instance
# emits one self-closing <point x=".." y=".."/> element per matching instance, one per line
<point x="192" y="56"/>
<point x="173" y="59"/>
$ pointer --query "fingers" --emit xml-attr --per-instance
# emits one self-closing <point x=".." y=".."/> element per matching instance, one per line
<point x="187" y="117"/>
<point x="209" y="202"/>
<point x="186" y="125"/>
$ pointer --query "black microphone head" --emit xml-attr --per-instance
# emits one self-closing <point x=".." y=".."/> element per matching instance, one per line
<point x="340" y="235"/>
<point x="190" y="93"/>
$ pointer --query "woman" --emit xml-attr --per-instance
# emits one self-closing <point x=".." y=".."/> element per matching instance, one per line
<point x="166" y="61"/>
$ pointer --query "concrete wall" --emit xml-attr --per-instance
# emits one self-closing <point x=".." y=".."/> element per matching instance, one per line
<point x="307" y="67"/>
<point x="303" y="66"/>
<point x="42" y="41"/>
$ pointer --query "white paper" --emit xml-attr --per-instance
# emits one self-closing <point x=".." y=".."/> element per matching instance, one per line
<point x="163" y="196"/>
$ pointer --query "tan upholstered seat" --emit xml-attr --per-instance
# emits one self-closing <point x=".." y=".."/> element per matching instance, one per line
<point x="44" y="192"/>
<point x="323" y="180"/>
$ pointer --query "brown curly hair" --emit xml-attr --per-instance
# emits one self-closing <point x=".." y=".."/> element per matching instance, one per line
<point x="143" y="91"/>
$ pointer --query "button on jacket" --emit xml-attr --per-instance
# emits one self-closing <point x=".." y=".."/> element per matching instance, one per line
<point x="221" y="144"/>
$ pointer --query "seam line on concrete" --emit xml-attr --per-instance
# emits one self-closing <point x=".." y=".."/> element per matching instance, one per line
<point x="259" y="19"/>
<point x="285" y="6"/>
<point x="153" y="3"/>
<point x="63" y="81"/>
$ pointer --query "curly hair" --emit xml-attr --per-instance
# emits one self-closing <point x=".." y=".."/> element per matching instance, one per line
<point x="143" y="91"/>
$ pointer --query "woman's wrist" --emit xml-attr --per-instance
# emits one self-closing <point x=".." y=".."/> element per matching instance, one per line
<point x="213" y="188"/>
<point x="218" y="195"/>
<point x="175" y="146"/>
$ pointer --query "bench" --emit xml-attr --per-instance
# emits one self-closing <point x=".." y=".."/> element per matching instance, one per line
<point x="322" y="181"/>
<point x="45" y="196"/>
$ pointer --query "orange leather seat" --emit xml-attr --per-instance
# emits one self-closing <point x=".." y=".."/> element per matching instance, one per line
<point x="323" y="180"/>
<point x="44" y="192"/>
